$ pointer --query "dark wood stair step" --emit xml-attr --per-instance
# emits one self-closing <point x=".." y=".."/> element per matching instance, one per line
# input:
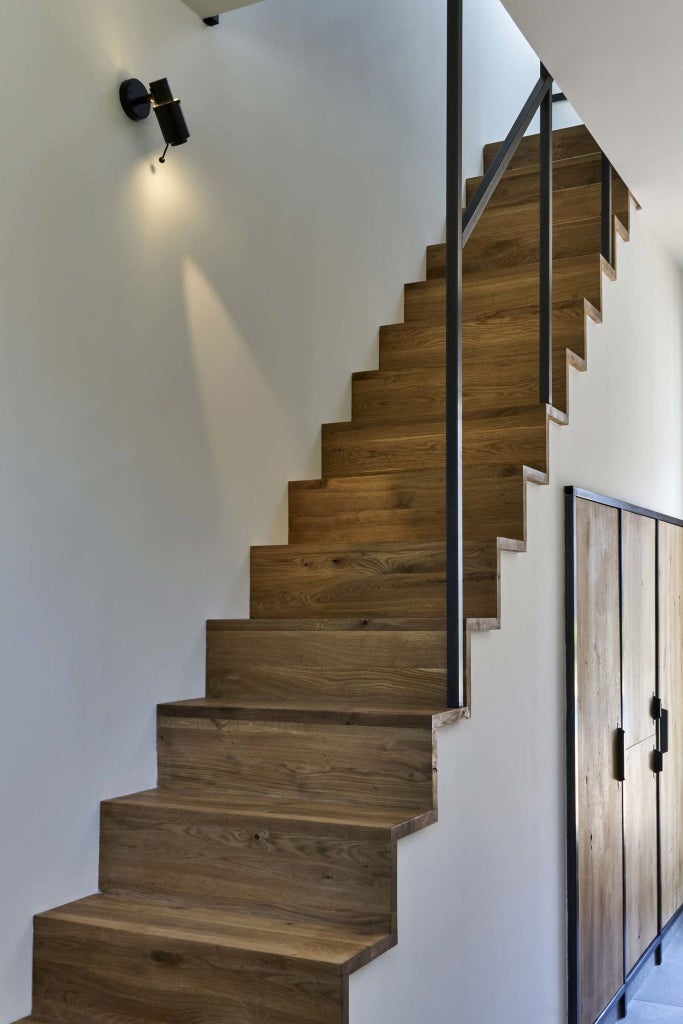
<point x="340" y="578"/>
<point x="406" y="506"/>
<point x="161" y="846"/>
<point x="207" y="745"/>
<point x="508" y="233"/>
<point x="331" y="661"/>
<point x="522" y="184"/>
<point x="567" y="143"/>
<point x="386" y="506"/>
<point x="109" y="958"/>
<point x="385" y="579"/>
<point x="421" y="346"/>
<point x="516" y="435"/>
<point x="484" y="293"/>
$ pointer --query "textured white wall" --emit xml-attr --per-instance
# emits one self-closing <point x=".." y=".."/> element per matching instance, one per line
<point x="482" y="894"/>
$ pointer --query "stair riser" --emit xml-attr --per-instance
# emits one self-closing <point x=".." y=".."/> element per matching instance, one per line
<point x="412" y="346"/>
<point x="371" y="583"/>
<point x="318" y="584"/>
<point x="567" y="143"/>
<point x="399" y="349"/>
<point x="342" y="874"/>
<point x="492" y="249"/>
<point x="494" y="377"/>
<point x="90" y="975"/>
<point x="352" y="454"/>
<point x="405" y="667"/>
<point x="491" y="508"/>
<point x="361" y="766"/>
<point x="426" y="301"/>
<point x="525" y="187"/>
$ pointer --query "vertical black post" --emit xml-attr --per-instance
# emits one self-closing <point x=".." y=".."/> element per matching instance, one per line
<point x="571" y="617"/>
<point x="546" y="248"/>
<point x="454" y="556"/>
<point x="607" y="246"/>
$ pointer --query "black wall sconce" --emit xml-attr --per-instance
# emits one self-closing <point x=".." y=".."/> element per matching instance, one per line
<point x="138" y="102"/>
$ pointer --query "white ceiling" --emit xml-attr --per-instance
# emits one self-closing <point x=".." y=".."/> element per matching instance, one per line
<point x="207" y="8"/>
<point x="620" y="63"/>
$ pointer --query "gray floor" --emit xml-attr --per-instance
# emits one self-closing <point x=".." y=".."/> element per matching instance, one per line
<point x="659" y="999"/>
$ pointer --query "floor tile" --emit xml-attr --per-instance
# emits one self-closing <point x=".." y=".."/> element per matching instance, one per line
<point x="653" y="1013"/>
<point x="659" y="996"/>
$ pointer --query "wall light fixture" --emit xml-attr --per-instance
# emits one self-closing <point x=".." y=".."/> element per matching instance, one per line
<point x="137" y="101"/>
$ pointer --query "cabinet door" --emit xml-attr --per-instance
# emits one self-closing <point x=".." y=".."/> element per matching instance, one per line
<point x="640" y="850"/>
<point x="598" y="793"/>
<point x="671" y="692"/>
<point x="639" y="662"/>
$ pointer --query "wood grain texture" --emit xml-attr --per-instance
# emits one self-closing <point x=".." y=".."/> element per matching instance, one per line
<point x="490" y="438"/>
<point x="157" y="847"/>
<point x="567" y="143"/>
<point x="305" y="662"/>
<point x="107" y="959"/>
<point x="639" y="625"/>
<point x="486" y="292"/>
<point x="378" y="579"/>
<point x="521" y="184"/>
<point x="371" y="507"/>
<point x="508" y="236"/>
<point x="351" y="765"/>
<point x="640" y="850"/>
<point x="599" y="805"/>
<point x="671" y="691"/>
<point x="314" y="580"/>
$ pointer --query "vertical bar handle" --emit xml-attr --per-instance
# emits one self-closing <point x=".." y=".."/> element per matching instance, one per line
<point x="620" y="755"/>
<point x="664" y="731"/>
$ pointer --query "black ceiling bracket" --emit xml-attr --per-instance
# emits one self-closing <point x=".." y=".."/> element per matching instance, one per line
<point x="213" y="20"/>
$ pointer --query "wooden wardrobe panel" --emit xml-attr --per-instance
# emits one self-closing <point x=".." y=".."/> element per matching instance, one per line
<point x="640" y="844"/>
<point x="598" y="798"/>
<point x="639" y="576"/>
<point x="671" y="692"/>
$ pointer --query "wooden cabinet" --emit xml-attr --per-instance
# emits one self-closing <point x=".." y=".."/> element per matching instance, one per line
<point x="624" y="744"/>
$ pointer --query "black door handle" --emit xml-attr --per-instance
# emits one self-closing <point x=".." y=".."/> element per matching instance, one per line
<point x="620" y="755"/>
<point x="664" y="731"/>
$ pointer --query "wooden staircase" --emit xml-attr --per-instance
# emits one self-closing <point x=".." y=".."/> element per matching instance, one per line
<point x="262" y="871"/>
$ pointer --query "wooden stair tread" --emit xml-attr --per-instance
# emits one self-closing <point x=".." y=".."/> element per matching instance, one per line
<point x="473" y="417"/>
<point x="365" y="625"/>
<point x="292" y="940"/>
<point x="566" y="142"/>
<point x="408" y="717"/>
<point x="170" y="801"/>
<point x="517" y="287"/>
<point x="523" y="183"/>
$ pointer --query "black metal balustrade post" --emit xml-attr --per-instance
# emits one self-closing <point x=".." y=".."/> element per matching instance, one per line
<point x="454" y="547"/>
<point x="546" y="246"/>
<point x="607" y="246"/>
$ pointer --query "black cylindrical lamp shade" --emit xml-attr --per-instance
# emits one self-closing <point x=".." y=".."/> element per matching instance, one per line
<point x="172" y="123"/>
<point x="169" y="114"/>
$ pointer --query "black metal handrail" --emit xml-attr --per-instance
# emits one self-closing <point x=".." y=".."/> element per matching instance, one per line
<point x="459" y="228"/>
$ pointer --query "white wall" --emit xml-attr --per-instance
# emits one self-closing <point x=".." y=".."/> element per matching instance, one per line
<point x="482" y="894"/>
<point x="171" y="339"/>
<point x="620" y="61"/>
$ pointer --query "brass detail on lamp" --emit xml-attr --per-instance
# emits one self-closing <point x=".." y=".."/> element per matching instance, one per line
<point x="138" y="101"/>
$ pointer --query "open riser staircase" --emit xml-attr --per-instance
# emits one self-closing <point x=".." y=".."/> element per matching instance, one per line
<point x="261" y="872"/>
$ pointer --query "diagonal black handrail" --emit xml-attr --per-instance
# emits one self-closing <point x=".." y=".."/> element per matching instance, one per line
<point x="500" y="162"/>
